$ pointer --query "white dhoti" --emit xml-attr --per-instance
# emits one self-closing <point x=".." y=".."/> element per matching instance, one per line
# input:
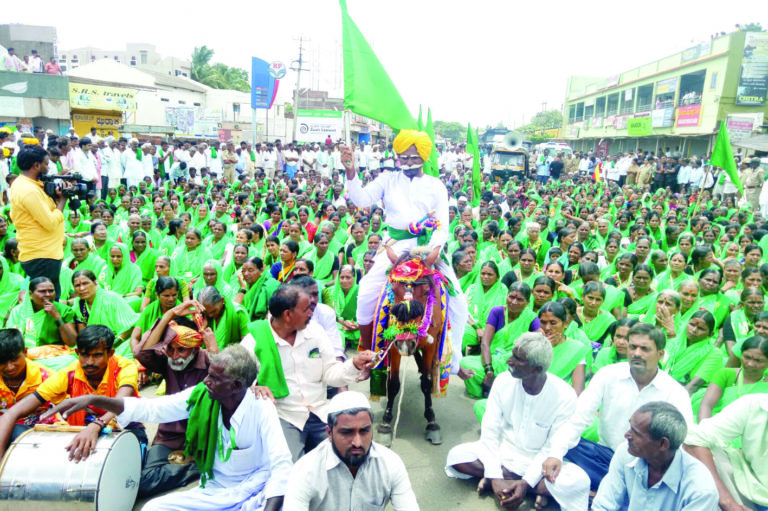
<point x="570" y="489"/>
<point x="208" y="498"/>
<point x="371" y="286"/>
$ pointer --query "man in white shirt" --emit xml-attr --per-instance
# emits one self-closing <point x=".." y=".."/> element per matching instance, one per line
<point x="361" y="157"/>
<point x="113" y="161"/>
<point x="196" y="159"/>
<point x="622" y="166"/>
<point x="308" y="158"/>
<point x="35" y="63"/>
<point x="325" y="162"/>
<point x="617" y="390"/>
<point x="408" y="196"/>
<point x="269" y="159"/>
<point x="254" y="471"/>
<point x="374" y="157"/>
<point x="348" y="471"/>
<point x="322" y="315"/>
<point x="525" y="407"/>
<point x="180" y="153"/>
<point x="83" y="162"/>
<point x="300" y="368"/>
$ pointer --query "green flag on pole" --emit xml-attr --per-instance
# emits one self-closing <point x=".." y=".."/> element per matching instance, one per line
<point x="477" y="178"/>
<point x="368" y="90"/>
<point x="419" y="122"/>
<point x="722" y="156"/>
<point x="431" y="167"/>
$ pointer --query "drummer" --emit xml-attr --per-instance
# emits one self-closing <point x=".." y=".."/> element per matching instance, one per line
<point x="172" y="349"/>
<point x="96" y="371"/>
<point x="20" y="378"/>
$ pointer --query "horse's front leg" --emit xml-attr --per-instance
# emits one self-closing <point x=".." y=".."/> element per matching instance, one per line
<point x="433" y="434"/>
<point x="393" y="388"/>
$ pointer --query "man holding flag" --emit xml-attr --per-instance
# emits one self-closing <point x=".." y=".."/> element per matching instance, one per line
<point x="410" y="197"/>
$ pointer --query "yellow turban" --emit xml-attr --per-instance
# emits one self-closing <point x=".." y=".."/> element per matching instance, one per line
<point x="30" y="140"/>
<point x="407" y="138"/>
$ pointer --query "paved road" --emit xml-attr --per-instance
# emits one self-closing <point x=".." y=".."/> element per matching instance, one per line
<point x="424" y="461"/>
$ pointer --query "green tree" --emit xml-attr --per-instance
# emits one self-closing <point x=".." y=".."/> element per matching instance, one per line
<point x="217" y="76"/>
<point x="751" y="27"/>
<point x="453" y="131"/>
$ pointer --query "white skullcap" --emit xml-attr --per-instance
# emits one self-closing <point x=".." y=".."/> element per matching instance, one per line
<point x="347" y="401"/>
<point x="9" y="145"/>
<point x="146" y="145"/>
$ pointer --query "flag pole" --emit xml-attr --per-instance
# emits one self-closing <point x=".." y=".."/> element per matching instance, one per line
<point x="348" y="136"/>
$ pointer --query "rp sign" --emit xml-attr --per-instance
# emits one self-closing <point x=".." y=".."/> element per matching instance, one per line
<point x="277" y="70"/>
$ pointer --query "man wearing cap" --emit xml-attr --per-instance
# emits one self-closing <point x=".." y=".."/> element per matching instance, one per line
<point x="408" y="196"/>
<point x="348" y="470"/>
<point x="172" y="349"/>
<point x="752" y="178"/>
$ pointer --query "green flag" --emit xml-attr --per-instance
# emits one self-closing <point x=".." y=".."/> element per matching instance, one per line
<point x="722" y="156"/>
<point x="477" y="178"/>
<point x="419" y="122"/>
<point x="431" y="166"/>
<point x="368" y="90"/>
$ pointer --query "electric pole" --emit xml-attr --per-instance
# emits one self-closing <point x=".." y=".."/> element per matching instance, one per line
<point x="296" y="65"/>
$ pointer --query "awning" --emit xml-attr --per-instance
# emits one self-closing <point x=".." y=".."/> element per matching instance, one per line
<point x="758" y="143"/>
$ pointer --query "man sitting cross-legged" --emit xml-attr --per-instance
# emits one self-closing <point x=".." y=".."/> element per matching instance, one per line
<point x="525" y="406"/>
<point x="235" y="438"/>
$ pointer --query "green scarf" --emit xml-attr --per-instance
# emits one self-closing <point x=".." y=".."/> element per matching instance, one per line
<point x="228" y="329"/>
<point x="186" y="262"/>
<point x="214" y="155"/>
<point x="93" y="262"/>
<point x="641" y="305"/>
<point x="271" y="370"/>
<point x="256" y="300"/>
<point x="566" y="357"/>
<point x="146" y="263"/>
<point x="10" y="286"/>
<point x="138" y="153"/>
<point x="202" y="431"/>
<point x="221" y="284"/>
<point x="324" y="267"/>
<point x="481" y="302"/>
<point x="253" y="155"/>
<point x="741" y="329"/>
<point x="108" y="309"/>
<point x="595" y="329"/>
<point x="692" y="360"/>
<point x="38" y="328"/>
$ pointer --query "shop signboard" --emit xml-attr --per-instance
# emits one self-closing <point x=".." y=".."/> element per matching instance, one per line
<point x="753" y="79"/>
<point x="688" y="115"/>
<point x="639" y="126"/>
<point x="318" y="125"/>
<point x="98" y="97"/>
<point x="662" y="117"/>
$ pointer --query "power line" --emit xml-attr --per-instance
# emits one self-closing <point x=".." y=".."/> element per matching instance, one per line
<point x="297" y="65"/>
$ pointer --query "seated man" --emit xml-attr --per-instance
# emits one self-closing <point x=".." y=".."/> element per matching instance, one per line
<point x="741" y="475"/>
<point x="235" y="438"/>
<point x="297" y="362"/>
<point x="524" y="409"/>
<point x="96" y="371"/>
<point x="172" y="349"/>
<point x="348" y="470"/>
<point x="617" y="391"/>
<point x="651" y="472"/>
<point x="21" y="377"/>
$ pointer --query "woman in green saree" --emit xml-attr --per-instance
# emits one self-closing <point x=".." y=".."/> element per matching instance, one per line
<point x="740" y="324"/>
<point x="693" y="358"/>
<point x="481" y="298"/>
<point x="101" y="240"/>
<point x="239" y="256"/>
<point x="75" y="226"/>
<point x="188" y="261"/>
<point x="10" y="288"/>
<point x="505" y="324"/>
<point x="357" y="247"/>
<point x="84" y="259"/>
<point x="569" y="355"/>
<point x="259" y="286"/>
<point x="594" y="320"/>
<point x="143" y="256"/>
<point x="526" y="270"/>
<point x="710" y="297"/>
<point x="615" y="350"/>
<point x="123" y="277"/>
<point x="162" y="269"/>
<point x="213" y="275"/>
<point x="41" y="320"/>
<point x="326" y="262"/>
<point x="96" y="306"/>
<point x="168" y="294"/>
<point x="664" y="313"/>
<point x="640" y="296"/>
<point x="730" y="383"/>
<point x="175" y="237"/>
<point x="625" y="267"/>
<point x="218" y="243"/>
<point x="272" y="249"/>
<point x="342" y="296"/>
<point x="113" y="229"/>
<point x="675" y="274"/>
<point x="294" y="233"/>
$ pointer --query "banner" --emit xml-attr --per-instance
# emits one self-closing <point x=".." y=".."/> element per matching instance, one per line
<point x="101" y="98"/>
<point x="621" y="122"/>
<point x="639" y="126"/>
<point x="753" y="80"/>
<point x="317" y="125"/>
<point x="666" y="86"/>
<point x="741" y="126"/>
<point x="688" y="115"/>
<point x="696" y="52"/>
<point x="262" y="84"/>
<point x="662" y="117"/>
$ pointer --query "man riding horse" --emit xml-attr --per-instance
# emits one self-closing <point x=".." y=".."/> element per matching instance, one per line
<point x="416" y="207"/>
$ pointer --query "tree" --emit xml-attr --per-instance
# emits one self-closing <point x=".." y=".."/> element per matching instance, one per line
<point x="453" y="131"/>
<point x="217" y="76"/>
<point x="751" y="27"/>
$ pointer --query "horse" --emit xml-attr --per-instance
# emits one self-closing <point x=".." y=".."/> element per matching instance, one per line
<point x="411" y="320"/>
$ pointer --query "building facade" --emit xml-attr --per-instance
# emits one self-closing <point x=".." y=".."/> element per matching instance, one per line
<point x="674" y="105"/>
<point x="138" y="55"/>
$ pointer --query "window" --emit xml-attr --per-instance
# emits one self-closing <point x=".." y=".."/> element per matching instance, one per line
<point x="93" y="58"/>
<point x="579" y="112"/>
<point x="691" y="88"/>
<point x="627" y="105"/>
<point x="713" y="81"/>
<point x="196" y="104"/>
<point x="165" y="99"/>
<point x="182" y="102"/>
<point x="588" y="112"/>
<point x="572" y="113"/>
<point x="65" y="57"/>
<point x="612" y="106"/>
<point x="63" y="68"/>
<point x="600" y="107"/>
<point x="644" y="98"/>
<point x="117" y="58"/>
<point x="143" y="59"/>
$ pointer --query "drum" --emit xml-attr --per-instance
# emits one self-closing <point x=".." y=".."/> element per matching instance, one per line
<point x="37" y="474"/>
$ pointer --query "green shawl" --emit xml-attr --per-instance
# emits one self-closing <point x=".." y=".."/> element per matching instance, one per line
<point x="38" y="328"/>
<point x="271" y="367"/>
<point x="221" y="284"/>
<point x="700" y="359"/>
<point x="10" y="286"/>
<point x="127" y="278"/>
<point x="595" y="329"/>
<point x="146" y="263"/>
<point x="256" y="300"/>
<point x="480" y="302"/>
<point x="232" y="325"/>
<point x="324" y="267"/>
<point x="566" y="356"/>
<point x="664" y="280"/>
<point x="186" y="263"/>
<point x="93" y="262"/>
<point x="202" y="434"/>
<point x="641" y="305"/>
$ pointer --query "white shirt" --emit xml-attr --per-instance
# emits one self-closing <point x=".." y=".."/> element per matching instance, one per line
<point x="84" y="165"/>
<point x="269" y="158"/>
<point x="325" y="317"/>
<point x="197" y="161"/>
<point x="450" y="161"/>
<point x="373" y="160"/>
<point x="35" y="64"/>
<point x="521" y="424"/>
<point x="180" y="155"/>
<point x="320" y="481"/>
<point x="262" y="455"/>
<point x="405" y="200"/>
<point x="623" y="164"/>
<point x="309" y="366"/>
<point x="361" y="159"/>
<point x="614" y="392"/>
<point x="214" y="164"/>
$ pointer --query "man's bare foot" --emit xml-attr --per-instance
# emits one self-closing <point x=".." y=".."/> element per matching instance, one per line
<point x="483" y="486"/>
<point x="541" y="502"/>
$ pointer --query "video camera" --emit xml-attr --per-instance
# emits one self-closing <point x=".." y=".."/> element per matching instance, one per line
<point x="78" y="191"/>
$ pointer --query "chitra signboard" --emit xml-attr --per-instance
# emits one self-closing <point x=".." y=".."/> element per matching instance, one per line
<point x="753" y="80"/>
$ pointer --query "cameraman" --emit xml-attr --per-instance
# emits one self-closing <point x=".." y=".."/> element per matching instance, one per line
<point x="39" y="221"/>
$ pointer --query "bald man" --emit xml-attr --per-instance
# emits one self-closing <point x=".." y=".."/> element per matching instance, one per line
<point x="408" y="195"/>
